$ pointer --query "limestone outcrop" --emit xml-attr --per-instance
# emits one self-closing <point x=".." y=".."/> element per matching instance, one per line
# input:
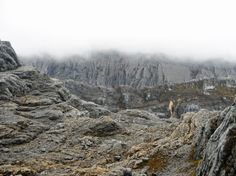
<point x="47" y="131"/>
<point x="219" y="156"/>
<point x="112" y="69"/>
<point x="8" y="57"/>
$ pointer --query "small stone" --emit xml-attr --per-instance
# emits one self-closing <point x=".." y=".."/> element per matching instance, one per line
<point x="137" y="163"/>
<point x="117" y="158"/>
<point x="43" y="149"/>
<point x="145" y="159"/>
<point x="5" y="150"/>
<point x="68" y="157"/>
<point x="60" y="125"/>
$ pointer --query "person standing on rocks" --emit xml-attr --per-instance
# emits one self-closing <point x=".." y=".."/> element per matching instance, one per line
<point x="171" y="107"/>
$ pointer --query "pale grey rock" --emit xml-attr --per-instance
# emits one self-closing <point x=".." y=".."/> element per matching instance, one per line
<point x="135" y="116"/>
<point x="94" y="110"/>
<point x="105" y="127"/>
<point x="211" y="122"/>
<point x="120" y="171"/>
<point x="8" y="57"/>
<point x="11" y="86"/>
<point x="113" y="146"/>
<point x="18" y="130"/>
<point x="101" y="127"/>
<point x="219" y="157"/>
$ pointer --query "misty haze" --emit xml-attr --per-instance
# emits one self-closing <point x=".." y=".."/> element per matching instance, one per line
<point x="117" y="88"/>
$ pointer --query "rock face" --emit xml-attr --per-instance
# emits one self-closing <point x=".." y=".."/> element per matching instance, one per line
<point x="219" y="156"/>
<point x="112" y="69"/>
<point x="8" y="58"/>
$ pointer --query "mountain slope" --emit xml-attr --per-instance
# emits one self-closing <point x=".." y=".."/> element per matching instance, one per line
<point x="46" y="131"/>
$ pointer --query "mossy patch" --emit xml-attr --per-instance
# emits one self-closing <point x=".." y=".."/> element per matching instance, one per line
<point x="193" y="161"/>
<point x="192" y="164"/>
<point x="224" y="91"/>
<point x="155" y="163"/>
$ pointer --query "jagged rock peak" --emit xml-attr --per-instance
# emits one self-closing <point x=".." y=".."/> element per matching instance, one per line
<point x="8" y="57"/>
<point x="112" y="69"/>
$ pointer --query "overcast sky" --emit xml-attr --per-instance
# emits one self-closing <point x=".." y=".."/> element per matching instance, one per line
<point x="202" y="28"/>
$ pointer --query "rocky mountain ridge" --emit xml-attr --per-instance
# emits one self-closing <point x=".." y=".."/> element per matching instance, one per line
<point x="112" y="69"/>
<point x="120" y="81"/>
<point x="47" y="131"/>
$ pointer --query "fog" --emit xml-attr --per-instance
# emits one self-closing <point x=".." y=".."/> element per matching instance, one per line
<point x="184" y="28"/>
